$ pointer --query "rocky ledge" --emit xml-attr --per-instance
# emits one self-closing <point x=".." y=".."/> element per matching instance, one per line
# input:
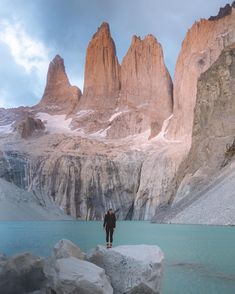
<point x="122" y="269"/>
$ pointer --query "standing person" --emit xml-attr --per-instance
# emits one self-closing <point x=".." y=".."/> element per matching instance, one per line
<point x="109" y="225"/>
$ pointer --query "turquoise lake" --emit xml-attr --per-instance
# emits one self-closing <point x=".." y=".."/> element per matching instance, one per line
<point x="198" y="259"/>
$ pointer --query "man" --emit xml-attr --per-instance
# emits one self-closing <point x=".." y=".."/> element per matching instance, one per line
<point x="109" y="225"/>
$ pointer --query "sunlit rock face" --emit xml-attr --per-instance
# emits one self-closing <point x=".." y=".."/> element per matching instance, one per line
<point x="200" y="49"/>
<point x="146" y="87"/>
<point x="59" y="96"/>
<point x="127" y="99"/>
<point x="214" y="122"/>
<point x="205" y="189"/>
<point x="102" y="72"/>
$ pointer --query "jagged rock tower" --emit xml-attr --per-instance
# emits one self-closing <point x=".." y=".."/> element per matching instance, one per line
<point x="59" y="95"/>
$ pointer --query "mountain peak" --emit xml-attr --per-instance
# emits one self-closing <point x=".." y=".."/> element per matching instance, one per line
<point x="58" y="91"/>
<point x="56" y="64"/>
<point x="58" y="58"/>
<point x="103" y="29"/>
<point x="224" y="11"/>
<point x="101" y="81"/>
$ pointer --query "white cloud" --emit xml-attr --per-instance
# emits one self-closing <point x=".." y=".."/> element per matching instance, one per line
<point x="26" y="51"/>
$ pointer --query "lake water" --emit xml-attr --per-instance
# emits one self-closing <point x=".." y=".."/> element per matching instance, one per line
<point x="198" y="259"/>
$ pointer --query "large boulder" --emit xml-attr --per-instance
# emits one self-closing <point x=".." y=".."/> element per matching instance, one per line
<point x="74" y="276"/>
<point x="65" y="248"/>
<point x="22" y="273"/>
<point x="131" y="268"/>
<point x="27" y="127"/>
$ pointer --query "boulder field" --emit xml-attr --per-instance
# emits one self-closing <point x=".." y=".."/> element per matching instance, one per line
<point x="122" y="269"/>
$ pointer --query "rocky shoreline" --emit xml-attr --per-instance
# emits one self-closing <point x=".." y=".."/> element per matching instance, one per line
<point x="122" y="269"/>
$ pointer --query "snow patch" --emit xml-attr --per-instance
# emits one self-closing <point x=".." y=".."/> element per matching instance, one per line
<point x="117" y="114"/>
<point x="101" y="133"/>
<point x="7" y="129"/>
<point x="143" y="105"/>
<point x="164" y="131"/>
<point x="55" y="123"/>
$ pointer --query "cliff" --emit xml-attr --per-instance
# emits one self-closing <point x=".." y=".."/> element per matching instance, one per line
<point x="102" y="72"/>
<point x="200" y="49"/>
<point x="59" y="96"/>
<point x="146" y="90"/>
<point x="205" y="178"/>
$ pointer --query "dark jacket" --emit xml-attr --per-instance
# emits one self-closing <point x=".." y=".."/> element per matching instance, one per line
<point x="109" y="220"/>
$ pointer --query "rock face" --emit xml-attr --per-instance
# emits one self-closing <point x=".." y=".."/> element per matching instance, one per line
<point x="29" y="126"/>
<point x="85" y="186"/>
<point x="22" y="273"/>
<point x="205" y="177"/>
<point x="72" y="275"/>
<point x="224" y="11"/>
<point x="59" y="95"/>
<point x="146" y="85"/>
<point x="162" y="165"/>
<point x="130" y="99"/>
<point x="201" y="48"/>
<point x="214" y="117"/>
<point x="18" y="204"/>
<point x="102" y="72"/>
<point x="131" y="268"/>
<point x="86" y="179"/>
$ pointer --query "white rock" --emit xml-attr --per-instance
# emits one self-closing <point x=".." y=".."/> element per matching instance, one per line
<point x="56" y="124"/>
<point x="131" y="268"/>
<point x="76" y="276"/>
<point x="65" y="248"/>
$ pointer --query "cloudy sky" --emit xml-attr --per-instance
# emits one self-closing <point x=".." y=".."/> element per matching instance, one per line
<point x="32" y="32"/>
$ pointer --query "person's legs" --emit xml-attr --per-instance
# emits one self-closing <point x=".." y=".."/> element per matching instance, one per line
<point x="107" y="234"/>
<point x="111" y="235"/>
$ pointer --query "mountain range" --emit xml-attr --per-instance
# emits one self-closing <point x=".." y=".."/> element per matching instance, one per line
<point x="132" y="139"/>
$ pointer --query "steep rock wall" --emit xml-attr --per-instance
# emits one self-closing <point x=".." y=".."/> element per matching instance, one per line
<point x="102" y="72"/>
<point x="214" y="122"/>
<point x="146" y="88"/>
<point x="59" y="96"/>
<point x="200" y="49"/>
